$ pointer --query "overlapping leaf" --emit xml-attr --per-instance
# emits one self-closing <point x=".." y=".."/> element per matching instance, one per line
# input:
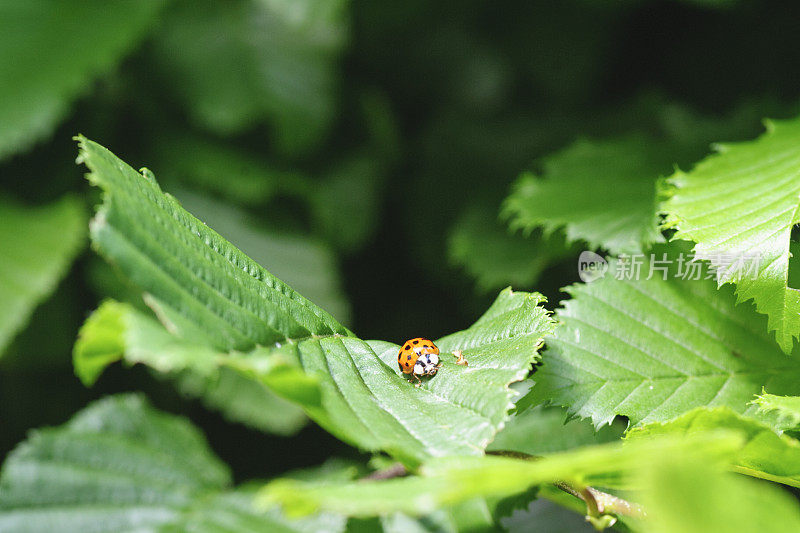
<point x="213" y="299"/>
<point x="354" y="388"/>
<point x="601" y="192"/>
<point x="739" y="207"/>
<point x="765" y="454"/>
<point x="449" y="481"/>
<point x="50" y="52"/>
<point x="238" y="384"/>
<point x="38" y="244"/>
<point x="687" y="494"/>
<point x="303" y="262"/>
<point x="120" y="465"/>
<point x="206" y="287"/>
<point x="653" y="349"/>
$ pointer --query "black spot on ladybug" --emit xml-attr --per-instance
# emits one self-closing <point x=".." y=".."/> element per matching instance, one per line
<point x="406" y="347"/>
<point x="426" y="346"/>
<point x="415" y="342"/>
<point x="408" y="358"/>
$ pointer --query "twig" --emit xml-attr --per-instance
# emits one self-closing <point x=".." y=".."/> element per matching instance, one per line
<point x="599" y="504"/>
<point x="396" y="470"/>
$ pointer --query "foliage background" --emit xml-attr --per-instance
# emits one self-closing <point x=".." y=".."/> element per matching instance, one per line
<point x="381" y="137"/>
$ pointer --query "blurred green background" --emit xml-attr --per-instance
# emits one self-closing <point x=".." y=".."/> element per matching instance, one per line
<point x="358" y="150"/>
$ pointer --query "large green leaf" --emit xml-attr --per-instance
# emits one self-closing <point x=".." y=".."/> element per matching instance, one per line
<point x="601" y="192"/>
<point x="354" y="388"/>
<point x="120" y="465"/>
<point x="267" y="60"/>
<point x="38" y="246"/>
<point x="205" y="287"/>
<point x="765" y="453"/>
<point x="688" y="495"/>
<point x="449" y="481"/>
<point x="212" y="299"/>
<point x="50" y="52"/>
<point x="653" y="349"/>
<point x="739" y="207"/>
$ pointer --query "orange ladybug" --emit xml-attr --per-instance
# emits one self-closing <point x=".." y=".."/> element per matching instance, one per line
<point x="418" y="357"/>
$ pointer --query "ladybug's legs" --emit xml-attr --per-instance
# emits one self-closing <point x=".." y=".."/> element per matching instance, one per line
<point x="419" y="381"/>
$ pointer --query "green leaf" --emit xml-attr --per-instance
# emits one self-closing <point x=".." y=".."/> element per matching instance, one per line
<point x="245" y="400"/>
<point x="688" y="495"/>
<point x="653" y="349"/>
<point x="120" y="465"/>
<point x="544" y="430"/>
<point x="450" y="481"/>
<point x="39" y="244"/>
<point x="233" y="383"/>
<point x="765" y="454"/>
<point x="234" y="511"/>
<point x="213" y="299"/>
<point x="50" y="53"/>
<point x="205" y="287"/>
<point x="601" y="192"/>
<point x="354" y="388"/>
<point x="270" y="61"/>
<point x="497" y="258"/>
<point x="787" y="409"/>
<point x="305" y="263"/>
<point x="739" y="207"/>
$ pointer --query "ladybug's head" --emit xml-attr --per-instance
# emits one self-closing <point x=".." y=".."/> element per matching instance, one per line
<point x="427" y="364"/>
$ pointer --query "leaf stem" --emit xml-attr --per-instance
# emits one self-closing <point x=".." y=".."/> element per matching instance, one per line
<point x="599" y="504"/>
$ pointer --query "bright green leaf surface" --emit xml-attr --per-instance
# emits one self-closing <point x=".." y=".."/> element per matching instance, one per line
<point x="120" y="465"/>
<point x="765" y="453"/>
<point x="787" y="409"/>
<point x="739" y="207"/>
<point x="449" y="481"/>
<point x="237" y="64"/>
<point x="690" y="496"/>
<point x="38" y="245"/>
<point x="654" y="349"/>
<point x="354" y="388"/>
<point x="303" y="262"/>
<point x="50" y="52"/>
<point x="207" y="288"/>
<point x="601" y="192"/>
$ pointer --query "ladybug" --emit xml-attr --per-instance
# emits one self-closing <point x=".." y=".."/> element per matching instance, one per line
<point x="418" y="357"/>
